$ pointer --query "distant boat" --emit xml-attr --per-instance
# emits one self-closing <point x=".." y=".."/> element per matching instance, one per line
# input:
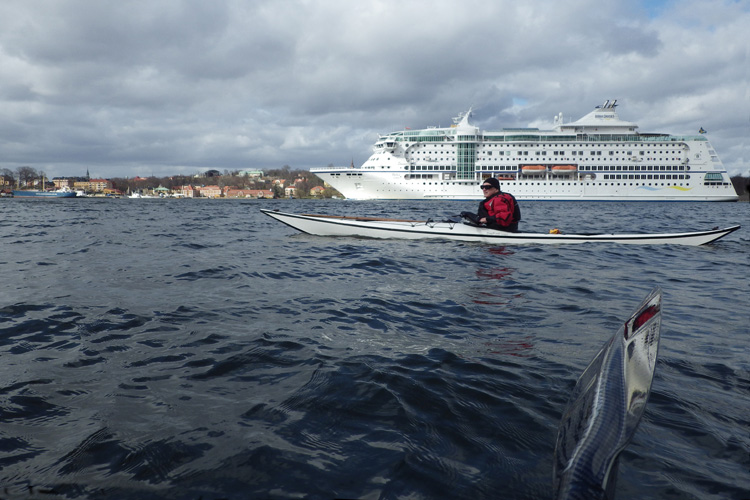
<point x="63" y="192"/>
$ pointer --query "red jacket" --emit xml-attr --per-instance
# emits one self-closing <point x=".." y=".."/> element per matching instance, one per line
<point x="501" y="211"/>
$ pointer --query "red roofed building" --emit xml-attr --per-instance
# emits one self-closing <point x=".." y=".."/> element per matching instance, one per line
<point x="209" y="191"/>
<point x="189" y="192"/>
<point x="93" y="185"/>
<point x="248" y="193"/>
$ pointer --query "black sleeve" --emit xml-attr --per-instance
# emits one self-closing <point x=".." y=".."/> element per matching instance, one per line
<point x="481" y="211"/>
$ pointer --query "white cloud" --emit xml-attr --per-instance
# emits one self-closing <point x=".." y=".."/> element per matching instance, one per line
<point x="181" y="86"/>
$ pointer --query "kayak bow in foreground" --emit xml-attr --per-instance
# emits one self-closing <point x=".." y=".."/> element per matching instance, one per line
<point x="370" y="227"/>
<point x="606" y="406"/>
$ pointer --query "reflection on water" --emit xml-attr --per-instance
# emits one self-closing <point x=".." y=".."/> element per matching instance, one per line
<point x="522" y="347"/>
<point x="496" y="293"/>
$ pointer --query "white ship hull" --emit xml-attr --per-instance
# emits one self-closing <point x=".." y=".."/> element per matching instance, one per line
<point x="597" y="158"/>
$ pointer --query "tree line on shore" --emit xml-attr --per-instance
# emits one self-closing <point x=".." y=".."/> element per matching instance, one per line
<point x="302" y="180"/>
<point x="742" y="186"/>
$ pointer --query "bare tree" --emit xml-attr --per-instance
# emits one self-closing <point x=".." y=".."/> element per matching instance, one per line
<point x="26" y="174"/>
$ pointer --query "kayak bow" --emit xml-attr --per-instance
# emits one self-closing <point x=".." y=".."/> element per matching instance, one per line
<point x="606" y="406"/>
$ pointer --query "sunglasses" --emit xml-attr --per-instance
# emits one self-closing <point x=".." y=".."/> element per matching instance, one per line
<point x="485" y="186"/>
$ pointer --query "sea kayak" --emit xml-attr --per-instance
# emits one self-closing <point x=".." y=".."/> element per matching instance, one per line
<point x="373" y="227"/>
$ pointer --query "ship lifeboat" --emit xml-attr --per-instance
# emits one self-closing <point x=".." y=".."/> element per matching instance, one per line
<point x="563" y="169"/>
<point x="533" y="169"/>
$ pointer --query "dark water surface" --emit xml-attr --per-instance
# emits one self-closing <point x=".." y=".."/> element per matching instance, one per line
<point x="198" y="349"/>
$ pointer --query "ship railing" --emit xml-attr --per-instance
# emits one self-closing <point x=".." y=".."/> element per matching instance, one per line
<point x="326" y="169"/>
<point x="630" y="138"/>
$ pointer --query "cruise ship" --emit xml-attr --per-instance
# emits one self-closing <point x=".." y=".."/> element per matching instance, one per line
<point x="596" y="158"/>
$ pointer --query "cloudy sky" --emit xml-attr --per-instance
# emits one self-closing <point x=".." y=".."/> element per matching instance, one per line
<point x="135" y="87"/>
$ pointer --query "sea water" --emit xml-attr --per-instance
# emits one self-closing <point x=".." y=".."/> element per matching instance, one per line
<point x="199" y="349"/>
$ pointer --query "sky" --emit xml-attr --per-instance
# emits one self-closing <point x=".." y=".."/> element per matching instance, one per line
<point x="139" y="88"/>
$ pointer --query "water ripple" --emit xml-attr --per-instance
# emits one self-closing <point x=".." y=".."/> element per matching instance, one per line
<point x="144" y="362"/>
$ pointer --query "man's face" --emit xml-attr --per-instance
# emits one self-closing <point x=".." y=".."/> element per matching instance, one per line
<point x="488" y="190"/>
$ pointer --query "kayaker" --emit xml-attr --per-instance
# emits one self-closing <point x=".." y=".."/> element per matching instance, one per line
<point x="498" y="210"/>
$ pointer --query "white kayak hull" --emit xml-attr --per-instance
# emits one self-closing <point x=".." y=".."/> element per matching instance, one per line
<point x="364" y="227"/>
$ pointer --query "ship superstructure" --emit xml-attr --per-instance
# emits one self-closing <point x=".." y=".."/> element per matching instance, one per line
<point x="597" y="158"/>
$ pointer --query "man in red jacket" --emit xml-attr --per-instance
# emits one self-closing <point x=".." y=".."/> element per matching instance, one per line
<point x="498" y="210"/>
